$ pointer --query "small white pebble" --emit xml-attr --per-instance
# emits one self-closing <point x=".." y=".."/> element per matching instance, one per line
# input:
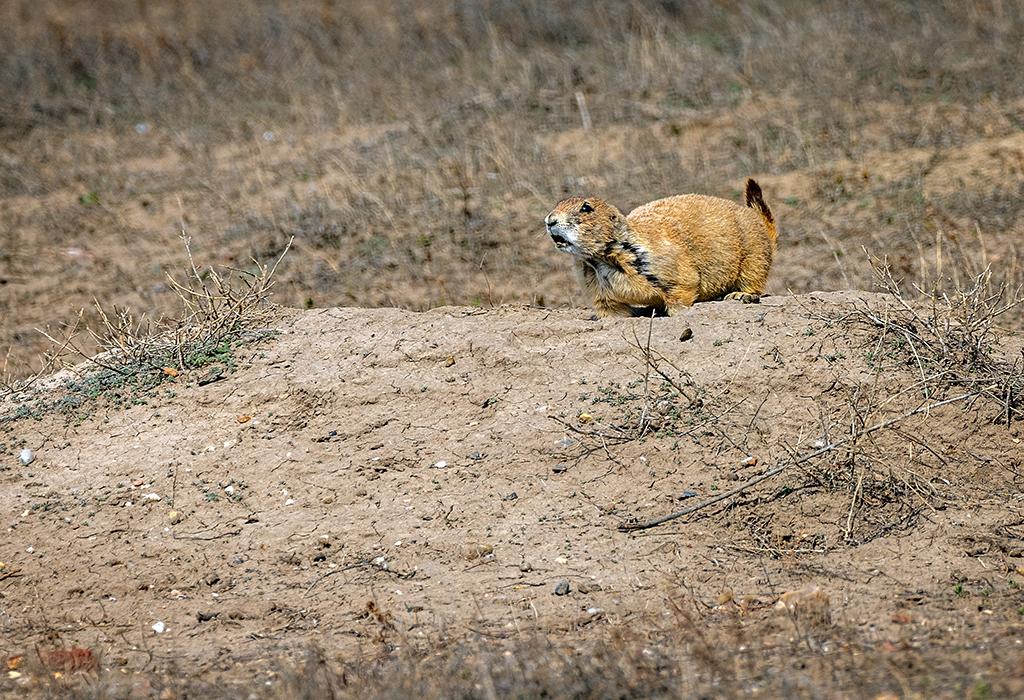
<point x="30" y="549"/>
<point x="819" y="443"/>
<point x="159" y="627"/>
<point x="290" y="502"/>
<point x="151" y="497"/>
<point x="440" y="464"/>
<point x="27" y="456"/>
<point x="229" y="489"/>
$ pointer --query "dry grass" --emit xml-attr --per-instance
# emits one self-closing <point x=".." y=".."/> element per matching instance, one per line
<point x="697" y="649"/>
<point x="424" y="144"/>
<point x="219" y="312"/>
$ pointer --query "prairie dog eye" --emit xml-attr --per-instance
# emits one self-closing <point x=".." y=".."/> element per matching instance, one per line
<point x="586" y="208"/>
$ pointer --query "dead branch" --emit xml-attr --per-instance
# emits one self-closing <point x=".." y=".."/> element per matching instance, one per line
<point x="774" y="471"/>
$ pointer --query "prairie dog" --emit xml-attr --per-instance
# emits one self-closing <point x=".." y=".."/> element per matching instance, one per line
<point x="668" y="253"/>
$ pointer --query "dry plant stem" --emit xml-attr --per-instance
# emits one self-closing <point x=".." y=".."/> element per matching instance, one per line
<point x="647" y="372"/>
<point x="52" y="357"/>
<point x="774" y="471"/>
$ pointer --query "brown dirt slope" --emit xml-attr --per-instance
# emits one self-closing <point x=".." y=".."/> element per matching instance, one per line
<point x="377" y="481"/>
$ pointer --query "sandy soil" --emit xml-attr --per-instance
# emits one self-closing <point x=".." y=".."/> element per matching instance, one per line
<point x="369" y="480"/>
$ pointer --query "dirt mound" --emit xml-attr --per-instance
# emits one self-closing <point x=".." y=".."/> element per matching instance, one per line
<point x="373" y="480"/>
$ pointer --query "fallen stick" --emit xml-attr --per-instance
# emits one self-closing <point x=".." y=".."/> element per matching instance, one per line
<point x="654" y="522"/>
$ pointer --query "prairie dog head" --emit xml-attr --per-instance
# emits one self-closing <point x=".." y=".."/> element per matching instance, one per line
<point x="584" y="226"/>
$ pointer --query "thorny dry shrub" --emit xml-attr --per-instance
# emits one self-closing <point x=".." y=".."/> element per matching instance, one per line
<point x="218" y="312"/>
<point x="949" y="340"/>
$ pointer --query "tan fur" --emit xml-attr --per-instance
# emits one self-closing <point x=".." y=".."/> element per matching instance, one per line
<point x="669" y="253"/>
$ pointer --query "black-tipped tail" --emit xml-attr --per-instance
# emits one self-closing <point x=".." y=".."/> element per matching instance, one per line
<point x="755" y="200"/>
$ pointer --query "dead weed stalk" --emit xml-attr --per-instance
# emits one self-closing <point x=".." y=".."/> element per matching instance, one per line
<point x="219" y="311"/>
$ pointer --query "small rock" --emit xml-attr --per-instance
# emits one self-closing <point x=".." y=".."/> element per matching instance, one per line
<point x="510" y="497"/>
<point x="212" y="579"/>
<point x="175" y="517"/>
<point x="150" y="497"/>
<point x="562" y="587"/>
<point x="206" y="616"/>
<point x="585" y="418"/>
<point x="449" y="361"/>
<point x="27" y="456"/>
<point x="159" y="627"/>
<point x="440" y="464"/>
<point x="595" y="611"/>
<point x="566" y="442"/>
<point x="476" y="456"/>
<point x="750" y="461"/>
<point x="559" y="468"/>
<point x="687" y="494"/>
<point x="687" y="334"/>
<point x="818" y="444"/>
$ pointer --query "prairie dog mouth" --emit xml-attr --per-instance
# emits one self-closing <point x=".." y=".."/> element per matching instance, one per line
<point x="560" y="240"/>
<point x="563" y="238"/>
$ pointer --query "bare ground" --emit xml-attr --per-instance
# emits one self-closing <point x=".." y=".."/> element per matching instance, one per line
<point x="382" y="484"/>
